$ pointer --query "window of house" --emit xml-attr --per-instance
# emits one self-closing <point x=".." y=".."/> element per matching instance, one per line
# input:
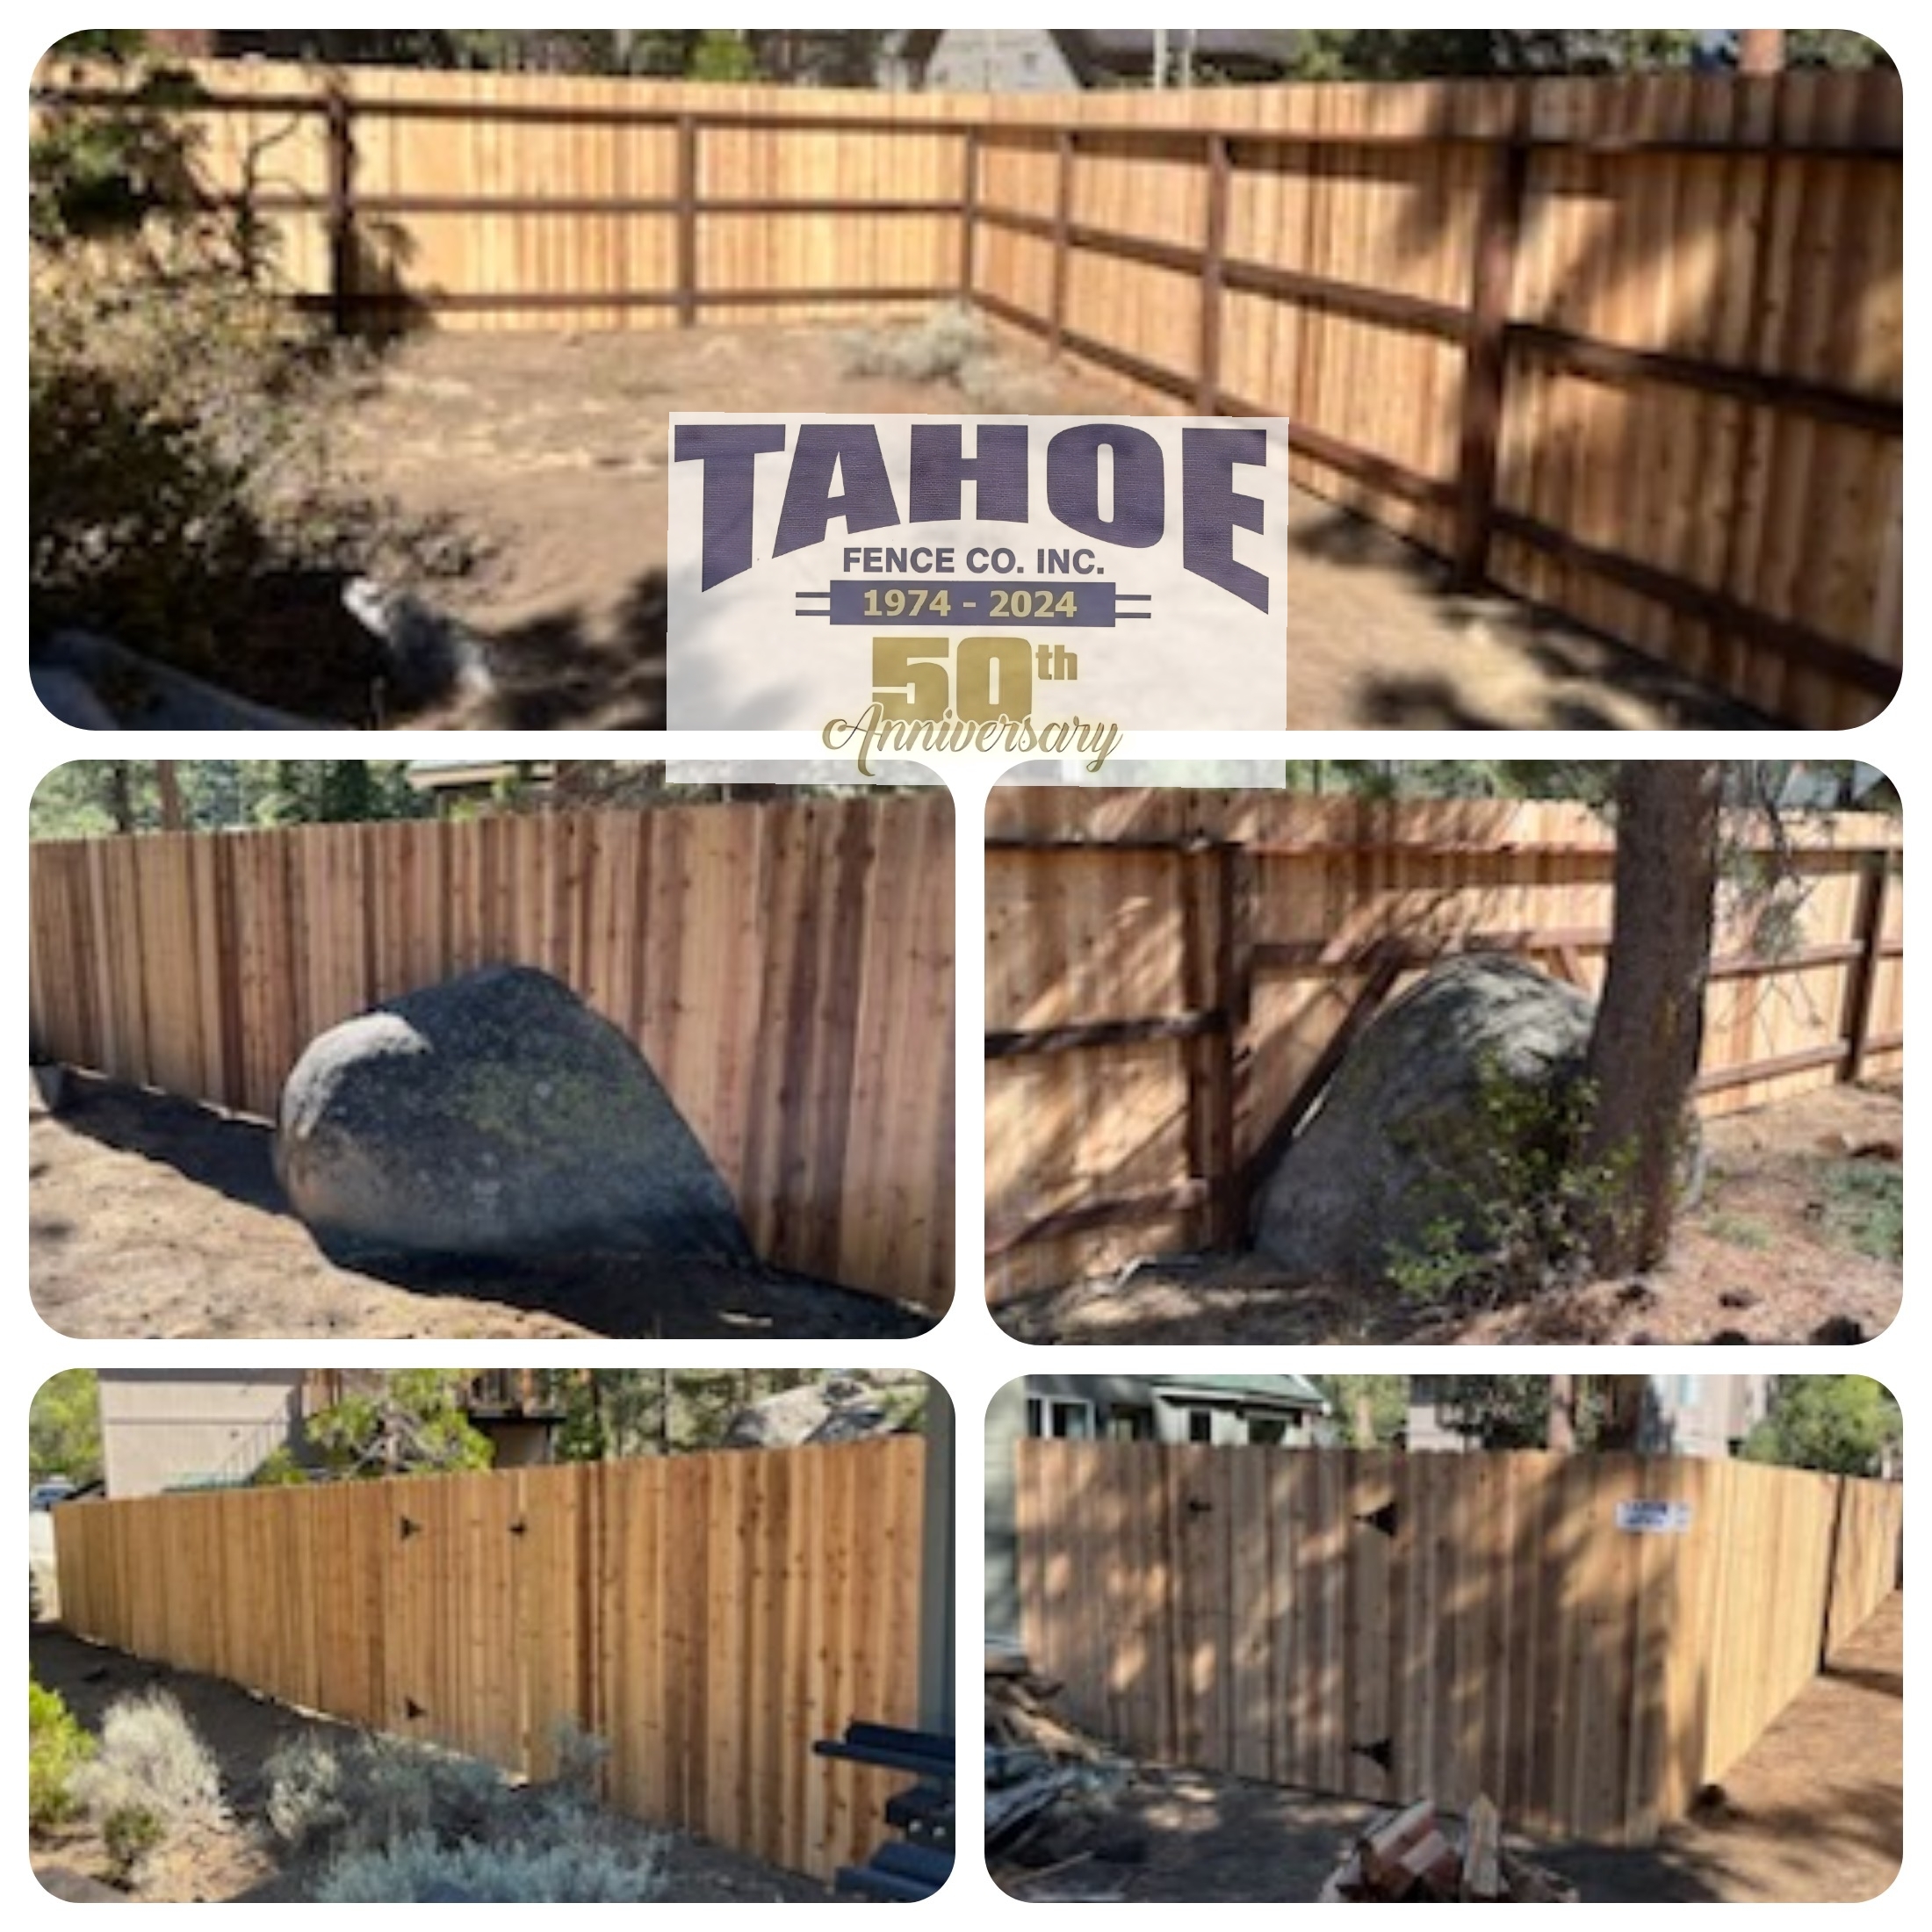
<point x="1067" y="1418"/>
<point x="1267" y="1429"/>
<point x="1201" y="1425"/>
<point x="1130" y="1424"/>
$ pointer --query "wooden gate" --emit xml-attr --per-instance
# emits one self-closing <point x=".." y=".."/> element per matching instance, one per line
<point x="1586" y="1639"/>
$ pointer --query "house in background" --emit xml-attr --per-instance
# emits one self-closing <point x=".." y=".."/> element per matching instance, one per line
<point x="1681" y="1416"/>
<point x="1067" y="60"/>
<point x="1225" y="1410"/>
<point x="212" y="1428"/>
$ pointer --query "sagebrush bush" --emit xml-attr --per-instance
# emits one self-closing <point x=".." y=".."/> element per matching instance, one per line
<point x="58" y="1745"/>
<point x="362" y="1797"/>
<point x="306" y="1805"/>
<point x="151" y="1758"/>
<point x="928" y="351"/>
<point x="419" y="1867"/>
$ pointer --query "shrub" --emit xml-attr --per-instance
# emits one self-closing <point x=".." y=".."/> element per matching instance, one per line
<point x="418" y="1868"/>
<point x="379" y="1792"/>
<point x="58" y="1745"/>
<point x="941" y="346"/>
<point x="305" y="1804"/>
<point x="1521" y="1207"/>
<point x="151" y="1759"/>
<point x="1865" y="1207"/>
<point x="176" y="429"/>
<point x="172" y="459"/>
<point x="130" y="1832"/>
<point x="279" y="1469"/>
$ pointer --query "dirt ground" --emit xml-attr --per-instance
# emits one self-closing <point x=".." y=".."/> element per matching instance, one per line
<point x="544" y="456"/>
<point x="1813" y="1812"/>
<point x="154" y="1216"/>
<point x="243" y="1862"/>
<point x="1760" y="1259"/>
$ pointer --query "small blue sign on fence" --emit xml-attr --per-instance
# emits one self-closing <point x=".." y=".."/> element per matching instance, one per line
<point x="1651" y="1517"/>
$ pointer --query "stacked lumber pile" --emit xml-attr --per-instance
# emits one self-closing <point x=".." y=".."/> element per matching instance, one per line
<point x="1417" y="1856"/>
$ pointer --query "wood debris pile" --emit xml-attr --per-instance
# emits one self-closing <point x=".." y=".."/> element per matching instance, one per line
<point x="1020" y="1718"/>
<point x="1417" y="1856"/>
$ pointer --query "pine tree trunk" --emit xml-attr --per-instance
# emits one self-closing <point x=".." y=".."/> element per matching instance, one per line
<point x="1649" y="1031"/>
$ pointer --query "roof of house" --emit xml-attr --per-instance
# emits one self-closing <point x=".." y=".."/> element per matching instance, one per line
<point x="1281" y="1391"/>
<point x="1290" y="1391"/>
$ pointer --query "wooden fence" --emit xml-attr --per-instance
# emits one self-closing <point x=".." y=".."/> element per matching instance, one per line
<point x="1630" y="347"/>
<point x="1171" y="977"/>
<point x="786" y="969"/>
<point x="709" y="1616"/>
<point x="1387" y="1626"/>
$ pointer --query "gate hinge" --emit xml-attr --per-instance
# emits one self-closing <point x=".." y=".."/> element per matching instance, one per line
<point x="1381" y="1752"/>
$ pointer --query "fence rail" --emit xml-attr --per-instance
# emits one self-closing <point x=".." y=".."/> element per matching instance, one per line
<point x="1632" y="349"/>
<point x="1387" y="1626"/>
<point x="1171" y="977"/>
<point x="785" y="968"/>
<point x="709" y="1616"/>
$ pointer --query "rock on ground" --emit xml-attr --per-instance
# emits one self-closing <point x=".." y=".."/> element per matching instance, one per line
<point x="495" y="1116"/>
<point x="1362" y="1178"/>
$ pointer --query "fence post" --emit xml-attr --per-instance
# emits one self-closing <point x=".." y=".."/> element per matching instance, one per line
<point x="340" y="134"/>
<point x="969" y="213"/>
<point x="1062" y="207"/>
<point x="1485" y="362"/>
<point x="1842" y="1485"/>
<point x="1207" y="898"/>
<point x="1207" y="389"/>
<point x="1863" y="988"/>
<point x="687" y="219"/>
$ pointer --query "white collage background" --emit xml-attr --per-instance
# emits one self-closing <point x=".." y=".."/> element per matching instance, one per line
<point x="966" y="1351"/>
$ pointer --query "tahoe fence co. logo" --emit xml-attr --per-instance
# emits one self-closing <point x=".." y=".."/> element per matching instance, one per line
<point x="901" y="584"/>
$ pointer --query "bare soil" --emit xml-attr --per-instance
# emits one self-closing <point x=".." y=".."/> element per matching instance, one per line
<point x="154" y="1216"/>
<point x="1760" y="1259"/>
<point x="244" y="1860"/>
<point x="544" y="457"/>
<point x="1813" y="1812"/>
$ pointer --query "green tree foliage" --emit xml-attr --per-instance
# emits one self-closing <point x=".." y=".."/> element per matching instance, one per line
<point x="64" y="1427"/>
<point x="1381" y="1401"/>
<point x="1849" y="1424"/>
<point x="90" y="797"/>
<point x="413" y="1423"/>
<point x="722" y="56"/>
<point x="1407" y="53"/>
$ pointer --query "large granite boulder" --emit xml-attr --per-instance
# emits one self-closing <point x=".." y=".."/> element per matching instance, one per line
<point x="495" y="1116"/>
<point x="1397" y="1141"/>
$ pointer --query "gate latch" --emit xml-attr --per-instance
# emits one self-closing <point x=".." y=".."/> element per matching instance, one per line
<point x="1382" y="1520"/>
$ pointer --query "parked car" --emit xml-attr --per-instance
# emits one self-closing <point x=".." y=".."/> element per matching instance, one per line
<point x="44" y="1496"/>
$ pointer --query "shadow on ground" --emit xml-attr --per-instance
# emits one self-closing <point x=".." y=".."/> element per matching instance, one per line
<point x="151" y="1214"/>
